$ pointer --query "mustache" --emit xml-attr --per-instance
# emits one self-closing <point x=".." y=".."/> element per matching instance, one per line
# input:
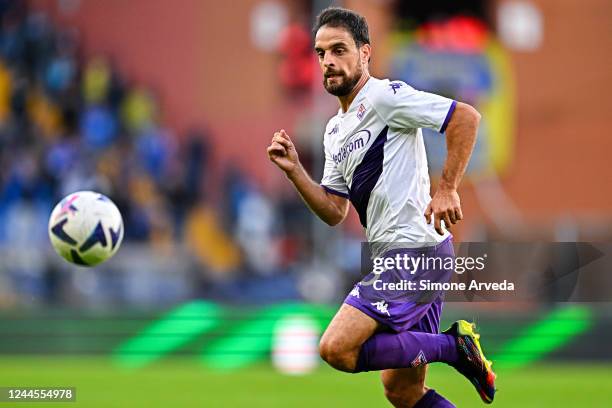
<point x="332" y="73"/>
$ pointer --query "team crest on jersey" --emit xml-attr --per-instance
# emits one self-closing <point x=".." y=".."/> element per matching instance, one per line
<point x="419" y="360"/>
<point x="361" y="111"/>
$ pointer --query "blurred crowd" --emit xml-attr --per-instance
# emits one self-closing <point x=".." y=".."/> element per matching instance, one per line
<point x="70" y="123"/>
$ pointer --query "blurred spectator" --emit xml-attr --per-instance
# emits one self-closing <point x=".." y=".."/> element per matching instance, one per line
<point x="96" y="80"/>
<point x="5" y="92"/>
<point x="298" y="68"/>
<point x="98" y="126"/>
<point x="255" y="232"/>
<point x="138" y="110"/>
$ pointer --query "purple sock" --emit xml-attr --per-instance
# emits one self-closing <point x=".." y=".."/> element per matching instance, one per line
<point x="432" y="399"/>
<point x="405" y="349"/>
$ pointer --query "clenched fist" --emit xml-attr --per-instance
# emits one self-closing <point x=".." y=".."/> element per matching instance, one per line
<point x="282" y="152"/>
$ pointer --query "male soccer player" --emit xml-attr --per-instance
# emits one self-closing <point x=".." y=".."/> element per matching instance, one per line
<point x="375" y="158"/>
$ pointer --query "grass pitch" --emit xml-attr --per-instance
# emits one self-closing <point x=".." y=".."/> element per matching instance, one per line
<point x="179" y="382"/>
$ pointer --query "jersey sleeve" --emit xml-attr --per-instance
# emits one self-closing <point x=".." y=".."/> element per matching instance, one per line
<point x="333" y="180"/>
<point x="402" y="106"/>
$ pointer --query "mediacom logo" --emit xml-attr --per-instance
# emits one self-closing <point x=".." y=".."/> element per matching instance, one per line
<point x="357" y="141"/>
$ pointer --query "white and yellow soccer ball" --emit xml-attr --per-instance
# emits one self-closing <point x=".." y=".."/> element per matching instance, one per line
<point x="86" y="228"/>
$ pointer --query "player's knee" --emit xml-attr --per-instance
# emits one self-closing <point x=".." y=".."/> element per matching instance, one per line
<point x="336" y="354"/>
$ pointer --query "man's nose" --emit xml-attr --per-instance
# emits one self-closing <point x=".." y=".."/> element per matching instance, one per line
<point x="328" y="60"/>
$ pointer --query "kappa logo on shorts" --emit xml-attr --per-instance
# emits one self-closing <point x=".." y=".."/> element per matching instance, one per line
<point x="382" y="307"/>
<point x="419" y="360"/>
<point x="355" y="291"/>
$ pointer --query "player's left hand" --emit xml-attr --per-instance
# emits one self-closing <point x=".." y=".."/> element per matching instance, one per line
<point x="445" y="206"/>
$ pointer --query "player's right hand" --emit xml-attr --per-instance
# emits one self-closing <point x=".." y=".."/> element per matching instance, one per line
<point x="445" y="206"/>
<point x="282" y="152"/>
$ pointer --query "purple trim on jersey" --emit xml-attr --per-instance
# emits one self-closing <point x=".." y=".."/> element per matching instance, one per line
<point x="448" y="116"/>
<point x="335" y="192"/>
<point x="366" y="176"/>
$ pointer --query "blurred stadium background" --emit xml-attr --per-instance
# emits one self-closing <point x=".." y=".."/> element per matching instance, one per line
<point x="167" y="107"/>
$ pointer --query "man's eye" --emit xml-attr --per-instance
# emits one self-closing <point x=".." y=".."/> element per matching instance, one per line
<point x="339" y="50"/>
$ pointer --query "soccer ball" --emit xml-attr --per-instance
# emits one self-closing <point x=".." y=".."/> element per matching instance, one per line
<point x="86" y="228"/>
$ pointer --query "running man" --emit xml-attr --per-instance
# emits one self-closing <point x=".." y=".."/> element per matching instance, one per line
<point x="375" y="158"/>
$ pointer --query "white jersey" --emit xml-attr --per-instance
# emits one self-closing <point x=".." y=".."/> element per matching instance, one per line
<point x="375" y="156"/>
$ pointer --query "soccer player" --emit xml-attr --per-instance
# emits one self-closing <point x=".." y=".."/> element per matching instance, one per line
<point x="375" y="158"/>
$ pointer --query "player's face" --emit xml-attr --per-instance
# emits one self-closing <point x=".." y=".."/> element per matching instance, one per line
<point x="341" y="61"/>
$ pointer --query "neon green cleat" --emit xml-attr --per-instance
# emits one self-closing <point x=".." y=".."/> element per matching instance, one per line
<point x="472" y="362"/>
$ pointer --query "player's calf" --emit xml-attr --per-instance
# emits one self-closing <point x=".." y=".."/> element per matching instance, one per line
<point x="404" y="397"/>
<point x="404" y="387"/>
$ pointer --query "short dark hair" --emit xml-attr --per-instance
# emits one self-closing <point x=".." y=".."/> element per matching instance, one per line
<point x="354" y="23"/>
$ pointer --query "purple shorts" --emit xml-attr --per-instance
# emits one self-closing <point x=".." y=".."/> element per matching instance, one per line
<point x="404" y="309"/>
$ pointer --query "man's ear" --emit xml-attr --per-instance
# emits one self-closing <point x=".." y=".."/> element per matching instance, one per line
<point x="366" y="52"/>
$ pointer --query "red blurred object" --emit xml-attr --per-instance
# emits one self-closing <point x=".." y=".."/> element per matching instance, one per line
<point x="461" y="34"/>
<point x="297" y="68"/>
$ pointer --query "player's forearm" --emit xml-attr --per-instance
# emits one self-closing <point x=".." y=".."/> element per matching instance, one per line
<point x="315" y="196"/>
<point x="460" y="139"/>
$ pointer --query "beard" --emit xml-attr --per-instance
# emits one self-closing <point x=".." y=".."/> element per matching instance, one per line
<point x="345" y="85"/>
